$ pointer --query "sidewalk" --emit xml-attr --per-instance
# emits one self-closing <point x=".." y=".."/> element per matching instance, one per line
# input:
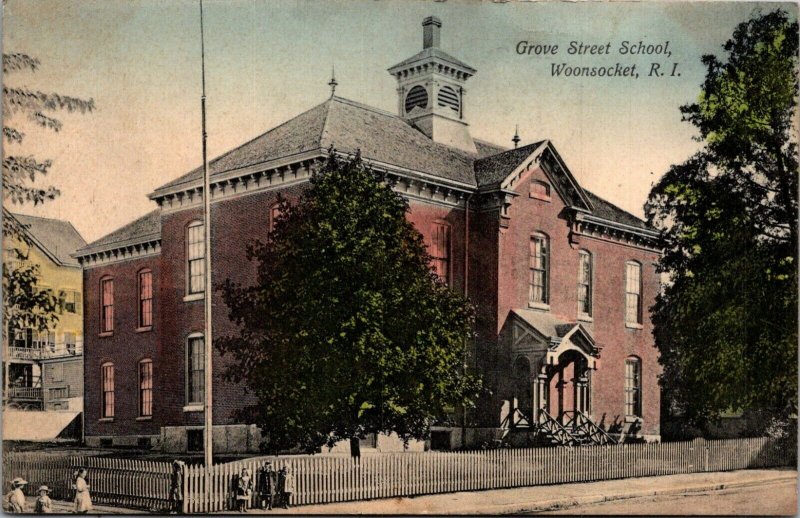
<point x="541" y="498"/>
<point x="517" y="500"/>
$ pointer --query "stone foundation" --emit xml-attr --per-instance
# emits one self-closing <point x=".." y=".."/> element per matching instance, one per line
<point x="235" y="438"/>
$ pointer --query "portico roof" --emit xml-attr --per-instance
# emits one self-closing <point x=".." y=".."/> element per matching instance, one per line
<point x="561" y="335"/>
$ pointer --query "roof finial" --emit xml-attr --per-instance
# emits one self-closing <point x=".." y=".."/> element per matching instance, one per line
<point x="332" y="83"/>
<point x="516" y="138"/>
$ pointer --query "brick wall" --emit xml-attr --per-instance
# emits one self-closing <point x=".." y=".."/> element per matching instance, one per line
<point x="528" y="215"/>
<point x="125" y="347"/>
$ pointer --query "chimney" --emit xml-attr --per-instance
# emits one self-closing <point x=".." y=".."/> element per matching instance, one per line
<point x="430" y="32"/>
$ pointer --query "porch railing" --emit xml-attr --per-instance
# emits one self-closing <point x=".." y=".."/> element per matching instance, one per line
<point x="46" y="351"/>
<point x="585" y="430"/>
<point x="26" y="393"/>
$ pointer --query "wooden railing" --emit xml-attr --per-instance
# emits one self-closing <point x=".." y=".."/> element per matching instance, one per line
<point x="25" y="393"/>
<point x="45" y="352"/>
<point x="584" y="430"/>
<point x="553" y="431"/>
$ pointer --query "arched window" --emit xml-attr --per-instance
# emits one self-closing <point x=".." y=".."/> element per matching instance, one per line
<point x="195" y="258"/>
<point x="107" y="396"/>
<point x="539" y="190"/>
<point x="584" y="283"/>
<point x="106" y="305"/>
<point x="448" y="98"/>
<point x="633" y="292"/>
<point x="145" y="298"/>
<point x="633" y="387"/>
<point x="195" y="369"/>
<point x="417" y="97"/>
<point x="539" y="262"/>
<point x="146" y="388"/>
<point x="440" y="250"/>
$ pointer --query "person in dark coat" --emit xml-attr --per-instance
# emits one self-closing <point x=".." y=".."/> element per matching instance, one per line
<point x="280" y="485"/>
<point x="176" y="487"/>
<point x="267" y="486"/>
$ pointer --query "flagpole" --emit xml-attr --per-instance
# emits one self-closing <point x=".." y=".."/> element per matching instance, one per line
<point x="208" y="434"/>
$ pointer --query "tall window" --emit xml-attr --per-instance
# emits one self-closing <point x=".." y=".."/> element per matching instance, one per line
<point x="633" y="387"/>
<point x="633" y="292"/>
<point x="145" y="388"/>
<point x="195" y="257"/>
<point x="274" y="214"/>
<point x="145" y="298"/>
<point x="539" y="263"/>
<point x="195" y="370"/>
<point x="440" y="251"/>
<point x="585" y="283"/>
<point x="107" y="372"/>
<point x="107" y="305"/>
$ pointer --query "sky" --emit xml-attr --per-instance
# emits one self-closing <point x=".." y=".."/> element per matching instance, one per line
<point x="269" y="61"/>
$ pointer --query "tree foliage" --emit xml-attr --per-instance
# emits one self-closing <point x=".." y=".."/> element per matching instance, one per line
<point x="23" y="304"/>
<point x="726" y="324"/>
<point x="347" y="331"/>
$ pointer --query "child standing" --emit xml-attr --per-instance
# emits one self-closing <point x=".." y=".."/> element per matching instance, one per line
<point x="43" y="504"/>
<point x="83" y="501"/>
<point x="243" y="490"/>
<point x="288" y="486"/>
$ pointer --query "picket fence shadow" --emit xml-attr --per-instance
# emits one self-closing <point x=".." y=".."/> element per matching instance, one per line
<point x="322" y="479"/>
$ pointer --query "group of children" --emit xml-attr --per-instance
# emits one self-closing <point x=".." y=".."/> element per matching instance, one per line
<point x="274" y="487"/>
<point x="14" y="501"/>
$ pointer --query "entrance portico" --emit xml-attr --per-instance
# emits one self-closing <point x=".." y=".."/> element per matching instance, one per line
<point x="552" y="363"/>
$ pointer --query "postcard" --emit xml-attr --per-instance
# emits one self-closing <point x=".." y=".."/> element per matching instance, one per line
<point x="384" y="257"/>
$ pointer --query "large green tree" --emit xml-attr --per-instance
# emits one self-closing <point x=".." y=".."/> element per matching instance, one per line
<point x="23" y="305"/>
<point x="347" y="331"/>
<point x="726" y="323"/>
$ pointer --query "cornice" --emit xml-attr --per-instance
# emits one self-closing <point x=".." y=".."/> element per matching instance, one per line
<point x="599" y="228"/>
<point x="128" y="252"/>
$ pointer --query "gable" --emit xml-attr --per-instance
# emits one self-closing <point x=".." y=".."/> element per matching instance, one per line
<point x="560" y="177"/>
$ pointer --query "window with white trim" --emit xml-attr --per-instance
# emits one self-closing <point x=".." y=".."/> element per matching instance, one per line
<point x="107" y="305"/>
<point x="538" y="269"/>
<point x="633" y="387"/>
<point x="107" y="374"/>
<point x="584" y="283"/>
<point x="195" y="370"/>
<point x="145" y="298"/>
<point x="195" y="258"/>
<point x="633" y="292"/>
<point x="145" y="388"/>
<point x="440" y="251"/>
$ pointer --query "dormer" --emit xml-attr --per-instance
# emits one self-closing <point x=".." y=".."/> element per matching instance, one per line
<point x="430" y="89"/>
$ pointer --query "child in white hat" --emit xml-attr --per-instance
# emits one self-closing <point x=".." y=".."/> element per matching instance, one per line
<point x="43" y="504"/>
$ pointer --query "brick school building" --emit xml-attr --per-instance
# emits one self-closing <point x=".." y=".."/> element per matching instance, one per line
<point x="562" y="279"/>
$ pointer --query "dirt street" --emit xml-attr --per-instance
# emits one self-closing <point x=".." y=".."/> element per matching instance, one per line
<point x="778" y="498"/>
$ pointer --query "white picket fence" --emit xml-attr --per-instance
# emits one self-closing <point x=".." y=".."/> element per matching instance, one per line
<point x="142" y="484"/>
<point x="322" y="479"/>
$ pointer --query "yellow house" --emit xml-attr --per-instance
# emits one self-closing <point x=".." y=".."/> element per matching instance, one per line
<point x="43" y="370"/>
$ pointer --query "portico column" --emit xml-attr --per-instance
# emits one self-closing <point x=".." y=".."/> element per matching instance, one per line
<point x="534" y="400"/>
<point x="584" y="391"/>
<point x="541" y="402"/>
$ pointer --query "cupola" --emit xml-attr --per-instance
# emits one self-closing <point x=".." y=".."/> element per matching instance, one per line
<point x="430" y="88"/>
